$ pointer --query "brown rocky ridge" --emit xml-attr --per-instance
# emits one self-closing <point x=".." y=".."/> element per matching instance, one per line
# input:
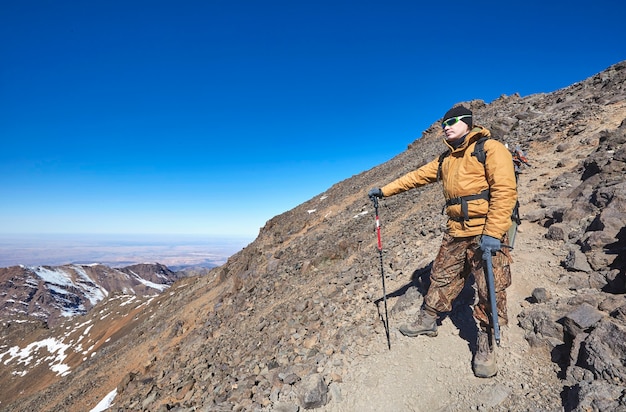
<point x="52" y="293"/>
<point x="294" y="321"/>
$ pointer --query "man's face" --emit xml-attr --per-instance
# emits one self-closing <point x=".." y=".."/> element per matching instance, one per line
<point x="456" y="131"/>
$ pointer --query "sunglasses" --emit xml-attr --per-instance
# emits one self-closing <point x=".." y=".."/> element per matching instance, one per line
<point x="453" y="120"/>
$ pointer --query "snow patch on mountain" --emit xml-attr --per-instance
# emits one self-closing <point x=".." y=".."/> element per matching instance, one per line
<point x="31" y="353"/>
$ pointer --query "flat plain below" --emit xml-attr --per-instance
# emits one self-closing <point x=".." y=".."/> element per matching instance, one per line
<point x="174" y="251"/>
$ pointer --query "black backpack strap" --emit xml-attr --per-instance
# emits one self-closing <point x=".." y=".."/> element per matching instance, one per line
<point x="479" y="150"/>
<point x="441" y="157"/>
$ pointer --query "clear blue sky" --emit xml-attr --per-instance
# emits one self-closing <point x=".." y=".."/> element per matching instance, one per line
<point x="211" y="117"/>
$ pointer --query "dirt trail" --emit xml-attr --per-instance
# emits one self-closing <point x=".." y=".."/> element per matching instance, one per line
<point x="435" y="374"/>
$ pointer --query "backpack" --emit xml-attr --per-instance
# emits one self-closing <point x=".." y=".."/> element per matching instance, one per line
<point x="519" y="159"/>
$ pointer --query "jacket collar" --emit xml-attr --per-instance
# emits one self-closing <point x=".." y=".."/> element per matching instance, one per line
<point x="476" y="133"/>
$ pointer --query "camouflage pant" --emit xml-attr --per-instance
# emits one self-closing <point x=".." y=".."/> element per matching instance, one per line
<point x="456" y="260"/>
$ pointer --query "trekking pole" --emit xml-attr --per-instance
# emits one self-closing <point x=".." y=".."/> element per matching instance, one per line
<point x="382" y="271"/>
<point x="492" y="294"/>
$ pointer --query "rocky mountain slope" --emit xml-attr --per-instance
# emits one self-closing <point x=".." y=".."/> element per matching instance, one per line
<point x="295" y="320"/>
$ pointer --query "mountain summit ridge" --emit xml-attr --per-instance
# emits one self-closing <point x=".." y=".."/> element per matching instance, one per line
<point x="293" y="321"/>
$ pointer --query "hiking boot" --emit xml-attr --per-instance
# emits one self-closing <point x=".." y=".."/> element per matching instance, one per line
<point x="425" y="324"/>
<point x="485" y="358"/>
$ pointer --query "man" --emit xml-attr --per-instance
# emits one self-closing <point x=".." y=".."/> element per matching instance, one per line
<point x="479" y="202"/>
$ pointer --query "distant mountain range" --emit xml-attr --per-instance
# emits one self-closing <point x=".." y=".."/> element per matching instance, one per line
<point x="52" y="293"/>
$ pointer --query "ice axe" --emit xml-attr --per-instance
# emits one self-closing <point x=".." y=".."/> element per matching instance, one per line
<point x="488" y="267"/>
<point x="382" y="271"/>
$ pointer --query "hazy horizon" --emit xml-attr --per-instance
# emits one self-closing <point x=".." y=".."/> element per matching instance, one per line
<point x="118" y="250"/>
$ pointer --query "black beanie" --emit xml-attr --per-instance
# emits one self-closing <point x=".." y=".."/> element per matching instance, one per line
<point x="459" y="111"/>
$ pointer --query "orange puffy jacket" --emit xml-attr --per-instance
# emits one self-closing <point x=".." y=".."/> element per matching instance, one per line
<point x="463" y="175"/>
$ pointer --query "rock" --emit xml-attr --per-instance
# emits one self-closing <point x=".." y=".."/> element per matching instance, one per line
<point x="604" y="353"/>
<point x="534" y="215"/>
<point x="313" y="392"/>
<point x="563" y="147"/>
<point x="576" y="261"/>
<point x="575" y="373"/>
<point x="612" y="302"/>
<point x="596" y="240"/>
<point x="616" y="280"/>
<point x="581" y="319"/>
<point x="574" y="281"/>
<point x="556" y="232"/>
<point x="334" y="391"/>
<point x="540" y="326"/>
<point x="596" y="396"/>
<point x="598" y="260"/>
<point x="493" y="395"/>
<point x="541" y="295"/>
<point x="620" y="314"/>
<point x="285" y="407"/>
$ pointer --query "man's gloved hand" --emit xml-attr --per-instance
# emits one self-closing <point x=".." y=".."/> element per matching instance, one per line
<point x="489" y="244"/>
<point x="375" y="193"/>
